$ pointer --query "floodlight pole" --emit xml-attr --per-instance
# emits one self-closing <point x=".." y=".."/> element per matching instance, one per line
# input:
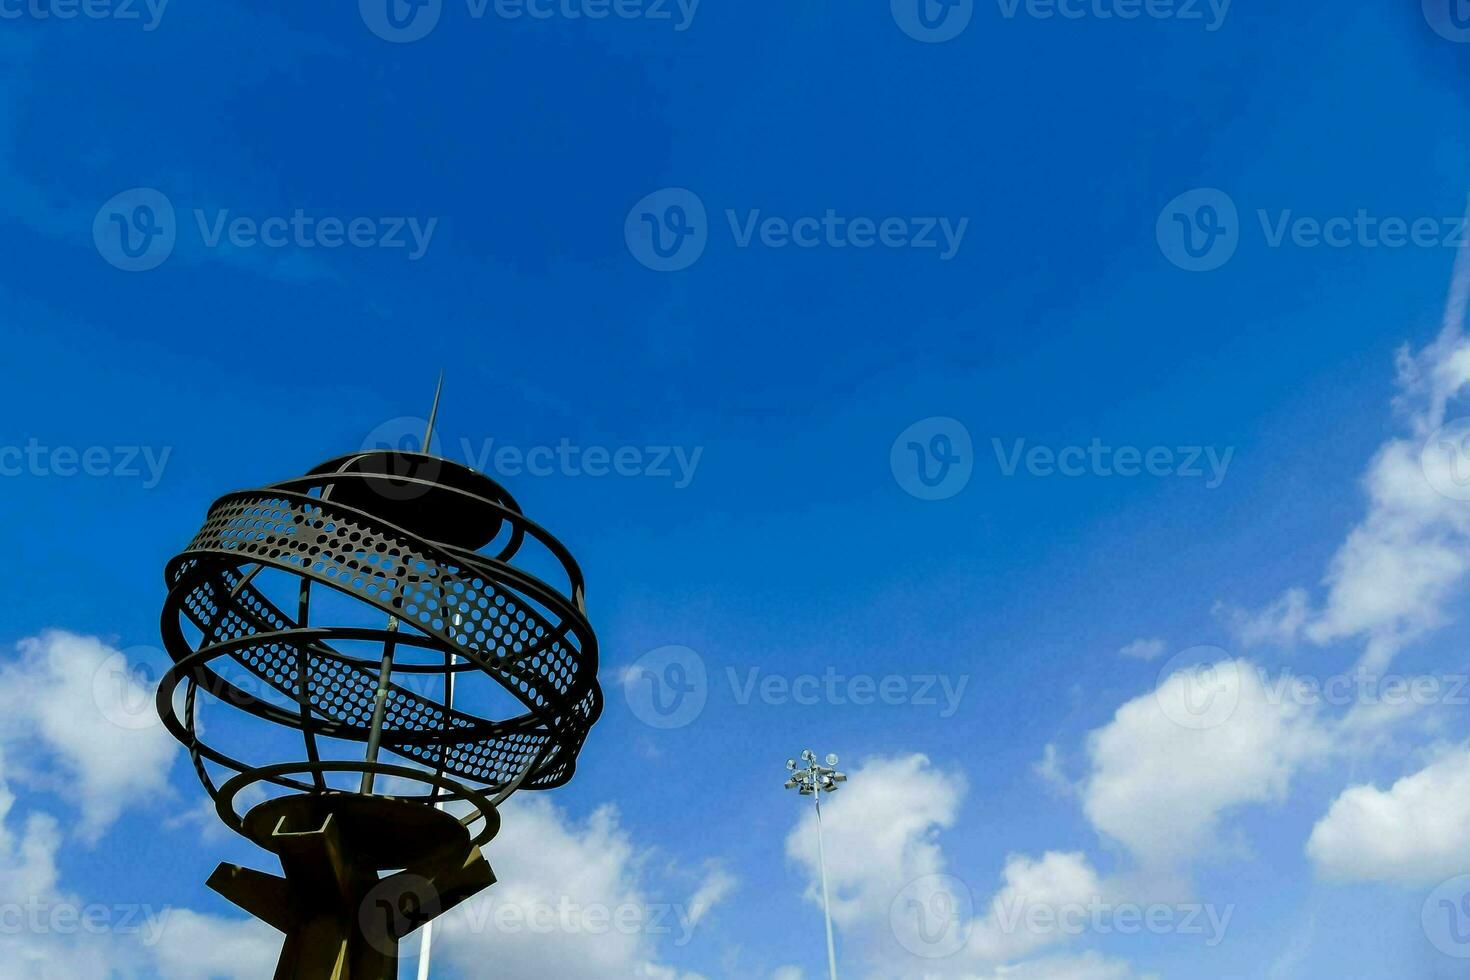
<point x="826" y="898"/>
<point x="426" y="946"/>
<point x="813" y="781"/>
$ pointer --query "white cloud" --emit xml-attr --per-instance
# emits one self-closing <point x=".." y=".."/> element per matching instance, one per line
<point x="1393" y="576"/>
<point x="203" y="947"/>
<point x="203" y="816"/>
<point x="1288" y="964"/>
<point x="902" y="914"/>
<point x="715" y="888"/>
<point x="1417" y="830"/>
<point x="890" y="813"/>
<point x="1051" y="772"/>
<point x="1279" y="624"/>
<point x="1161" y="787"/>
<point x="1055" y="881"/>
<point x="573" y="901"/>
<point x="1089" y="966"/>
<point x="65" y="937"/>
<point x="29" y="879"/>
<point x="1144" y="649"/>
<point x="73" y="697"/>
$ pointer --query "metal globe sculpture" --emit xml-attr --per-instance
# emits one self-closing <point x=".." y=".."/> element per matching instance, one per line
<point x="425" y="648"/>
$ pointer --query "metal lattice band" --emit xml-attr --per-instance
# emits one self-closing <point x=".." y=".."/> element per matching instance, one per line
<point x="430" y="545"/>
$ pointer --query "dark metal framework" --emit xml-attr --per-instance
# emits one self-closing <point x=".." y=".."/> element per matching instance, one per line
<point x="444" y="554"/>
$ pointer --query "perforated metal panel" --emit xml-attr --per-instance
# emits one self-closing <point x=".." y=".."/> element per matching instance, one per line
<point x="507" y="626"/>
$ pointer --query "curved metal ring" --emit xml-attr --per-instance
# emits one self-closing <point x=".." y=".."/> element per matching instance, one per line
<point x="484" y="809"/>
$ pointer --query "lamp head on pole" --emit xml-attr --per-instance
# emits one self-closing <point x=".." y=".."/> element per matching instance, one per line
<point x="814" y="778"/>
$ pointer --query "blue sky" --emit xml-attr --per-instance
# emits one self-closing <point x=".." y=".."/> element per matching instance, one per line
<point x="769" y="251"/>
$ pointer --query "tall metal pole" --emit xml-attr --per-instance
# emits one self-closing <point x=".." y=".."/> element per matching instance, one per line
<point x="426" y="946"/>
<point x="813" y="780"/>
<point x="826" y="898"/>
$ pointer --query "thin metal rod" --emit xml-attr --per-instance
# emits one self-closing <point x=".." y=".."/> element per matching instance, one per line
<point x="245" y="580"/>
<point x="426" y="945"/>
<point x="385" y="673"/>
<point x="303" y="682"/>
<point x="450" y="660"/>
<point x="380" y="704"/>
<point x="826" y="899"/>
<point x="433" y="412"/>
